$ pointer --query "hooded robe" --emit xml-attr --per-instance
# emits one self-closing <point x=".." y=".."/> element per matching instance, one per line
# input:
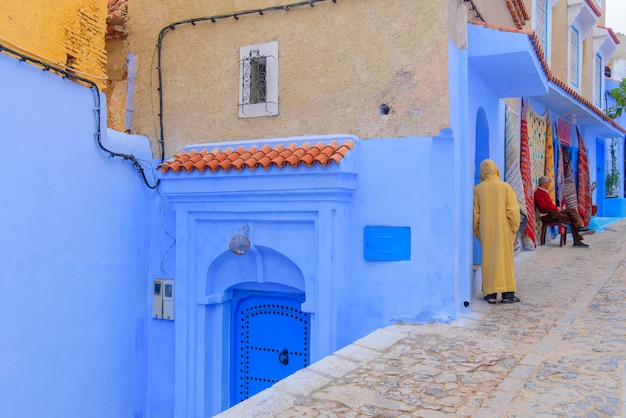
<point x="496" y="221"/>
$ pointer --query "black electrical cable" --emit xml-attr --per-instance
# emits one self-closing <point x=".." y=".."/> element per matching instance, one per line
<point x="475" y="10"/>
<point x="213" y="19"/>
<point x="96" y="95"/>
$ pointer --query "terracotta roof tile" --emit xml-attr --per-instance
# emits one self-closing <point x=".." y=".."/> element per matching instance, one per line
<point x="518" y="12"/>
<point x="253" y="157"/>
<point x="611" y="34"/>
<point x="524" y="10"/>
<point x="594" y="7"/>
<point x="502" y="28"/>
<point x="546" y="69"/>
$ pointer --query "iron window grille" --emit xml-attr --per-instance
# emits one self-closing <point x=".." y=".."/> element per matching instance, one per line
<point x="258" y="82"/>
<point x="254" y="83"/>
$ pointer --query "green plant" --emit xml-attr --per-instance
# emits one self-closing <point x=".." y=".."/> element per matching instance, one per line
<point x="619" y="94"/>
<point x="612" y="177"/>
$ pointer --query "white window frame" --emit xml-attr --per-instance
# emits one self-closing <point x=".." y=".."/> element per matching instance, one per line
<point x="540" y="24"/>
<point x="269" y="107"/>
<point x="545" y="24"/>
<point x="598" y="79"/>
<point x="574" y="57"/>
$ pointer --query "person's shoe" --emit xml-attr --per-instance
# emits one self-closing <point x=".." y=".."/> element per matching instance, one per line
<point x="509" y="297"/>
<point x="586" y="231"/>
<point x="580" y="244"/>
<point x="491" y="298"/>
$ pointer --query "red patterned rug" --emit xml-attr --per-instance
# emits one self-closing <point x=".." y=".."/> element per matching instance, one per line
<point x="584" y="185"/>
<point x="569" y="184"/>
<point x="527" y="179"/>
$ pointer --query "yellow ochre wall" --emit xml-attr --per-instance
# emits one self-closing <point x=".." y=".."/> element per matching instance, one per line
<point x="559" y="64"/>
<point x="337" y="63"/>
<point x="55" y="30"/>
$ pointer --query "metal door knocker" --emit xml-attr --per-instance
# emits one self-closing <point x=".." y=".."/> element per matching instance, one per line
<point x="283" y="357"/>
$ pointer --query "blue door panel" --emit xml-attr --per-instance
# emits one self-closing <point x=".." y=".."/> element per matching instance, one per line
<point x="273" y="365"/>
<point x="271" y="341"/>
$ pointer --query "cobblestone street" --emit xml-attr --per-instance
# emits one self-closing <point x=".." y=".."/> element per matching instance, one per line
<point x="558" y="353"/>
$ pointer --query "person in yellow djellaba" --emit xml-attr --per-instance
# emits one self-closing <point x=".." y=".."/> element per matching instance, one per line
<point x="496" y="221"/>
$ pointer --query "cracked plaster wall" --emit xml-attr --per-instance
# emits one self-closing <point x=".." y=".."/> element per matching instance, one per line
<point x="337" y="63"/>
<point x="64" y="32"/>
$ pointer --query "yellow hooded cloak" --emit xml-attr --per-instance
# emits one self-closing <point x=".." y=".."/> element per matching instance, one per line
<point x="496" y="221"/>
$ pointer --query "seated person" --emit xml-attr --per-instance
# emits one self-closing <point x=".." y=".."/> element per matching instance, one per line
<point x="549" y="212"/>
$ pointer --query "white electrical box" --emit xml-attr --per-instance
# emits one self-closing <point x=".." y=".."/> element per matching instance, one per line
<point x="163" y="299"/>
<point x="168" y="299"/>
<point x="157" y="298"/>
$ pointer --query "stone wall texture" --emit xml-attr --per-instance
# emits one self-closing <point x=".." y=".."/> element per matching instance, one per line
<point x="338" y="62"/>
<point x="64" y="33"/>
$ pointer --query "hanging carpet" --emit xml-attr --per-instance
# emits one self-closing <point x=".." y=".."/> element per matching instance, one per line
<point x="569" y="186"/>
<point x="513" y="174"/>
<point x="525" y="168"/>
<point x="560" y="177"/>
<point x="549" y="158"/>
<point x="584" y="185"/>
<point x="537" y="143"/>
<point x="560" y="174"/>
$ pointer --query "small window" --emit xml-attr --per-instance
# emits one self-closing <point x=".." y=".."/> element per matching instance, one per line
<point x="258" y="80"/>
<point x="541" y="24"/>
<point x="574" y="56"/>
<point x="597" y="80"/>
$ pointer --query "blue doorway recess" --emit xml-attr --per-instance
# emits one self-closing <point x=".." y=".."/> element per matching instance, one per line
<point x="271" y="340"/>
<point x="600" y="173"/>
<point x="481" y="153"/>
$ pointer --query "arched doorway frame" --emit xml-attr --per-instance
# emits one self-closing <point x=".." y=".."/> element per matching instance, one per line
<point x="226" y="274"/>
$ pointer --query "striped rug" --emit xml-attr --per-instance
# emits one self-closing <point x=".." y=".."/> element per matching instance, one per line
<point x="560" y="177"/>
<point x="569" y="187"/>
<point x="549" y="156"/>
<point x="584" y="185"/>
<point x="513" y="174"/>
<point x="527" y="179"/>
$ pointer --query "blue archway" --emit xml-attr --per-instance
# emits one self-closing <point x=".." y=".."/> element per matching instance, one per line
<point x="481" y="153"/>
<point x="600" y="172"/>
<point x="265" y="334"/>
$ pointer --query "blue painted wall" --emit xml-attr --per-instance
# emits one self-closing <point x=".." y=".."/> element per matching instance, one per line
<point x="160" y="332"/>
<point x="422" y="183"/>
<point x="402" y="182"/>
<point x="463" y="169"/>
<point x="75" y="251"/>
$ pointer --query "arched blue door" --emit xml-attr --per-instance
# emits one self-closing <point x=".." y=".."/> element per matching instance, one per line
<point x="600" y="173"/>
<point x="271" y="341"/>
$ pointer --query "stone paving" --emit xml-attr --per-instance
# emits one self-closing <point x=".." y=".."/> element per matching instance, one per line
<point x="558" y="353"/>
